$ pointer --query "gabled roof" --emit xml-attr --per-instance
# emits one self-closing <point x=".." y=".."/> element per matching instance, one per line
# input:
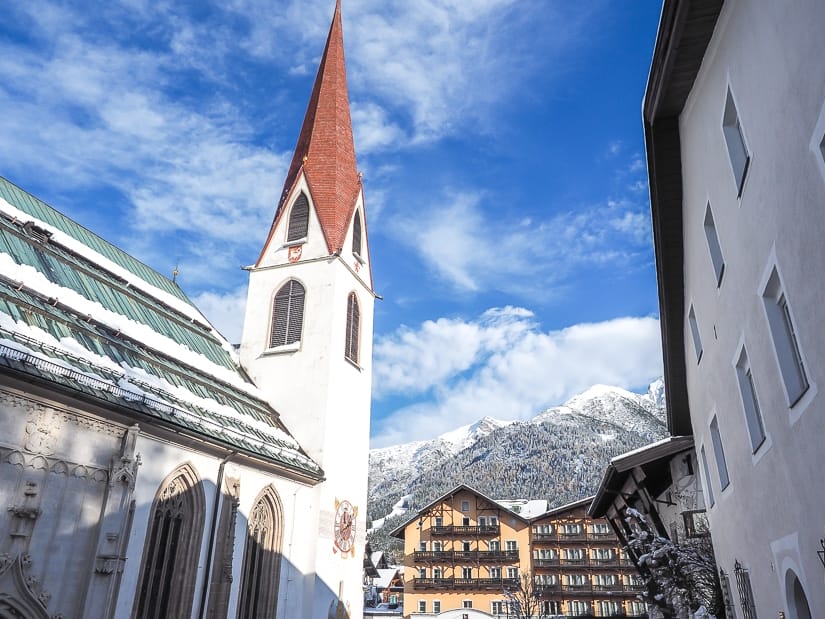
<point x="399" y="530"/>
<point x="82" y="317"/>
<point x="656" y="454"/>
<point x="325" y="151"/>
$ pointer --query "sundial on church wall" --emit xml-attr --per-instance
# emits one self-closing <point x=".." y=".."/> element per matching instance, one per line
<point x="344" y="528"/>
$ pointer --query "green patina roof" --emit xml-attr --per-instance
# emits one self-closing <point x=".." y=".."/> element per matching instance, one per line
<point x="42" y="211"/>
<point x="71" y="271"/>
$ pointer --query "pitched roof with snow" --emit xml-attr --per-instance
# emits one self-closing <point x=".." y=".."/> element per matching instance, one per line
<point x="85" y="317"/>
<point x="325" y="151"/>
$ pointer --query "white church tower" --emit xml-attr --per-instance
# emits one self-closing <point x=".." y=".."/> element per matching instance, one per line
<point x="307" y="335"/>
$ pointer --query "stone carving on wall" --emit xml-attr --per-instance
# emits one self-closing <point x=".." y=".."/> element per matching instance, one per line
<point x="42" y="432"/>
<point x="54" y="465"/>
<point x="20" y="592"/>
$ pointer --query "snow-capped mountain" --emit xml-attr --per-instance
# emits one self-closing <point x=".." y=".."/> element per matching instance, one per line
<point x="559" y="455"/>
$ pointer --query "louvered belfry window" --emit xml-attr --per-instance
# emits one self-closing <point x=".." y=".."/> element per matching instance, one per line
<point x="353" y="324"/>
<point x="298" y="219"/>
<point x="356" y="234"/>
<point x="287" y="314"/>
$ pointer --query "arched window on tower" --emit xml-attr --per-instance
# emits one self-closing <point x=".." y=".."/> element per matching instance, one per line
<point x="287" y="314"/>
<point x="170" y="557"/>
<point x="298" y="219"/>
<point x="262" y="557"/>
<point x="356" y="234"/>
<point x="353" y="326"/>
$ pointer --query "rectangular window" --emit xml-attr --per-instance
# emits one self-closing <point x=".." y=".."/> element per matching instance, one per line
<point x="436" y="572"/>
<point x="737" y="151"/>
<point x="495" y="544"/>
<point x="437" y="546"/>
<point x="694" y="331"/>
<point x="465" y="522"/>
<point x="713" y="245"/>
<point x="422" y="606"/>
<point x="743" y="583"/>
<point x="422" y="572"/>
<point x="494" y="520"/>
<point x="512" y="572"/>
<point x="719" y="453"/>
<point x="436" y="606"/>
<point x="482" y="521"/>
<point x="708" y="487"/>
<point x="466" y="572"/>
<point x="422" y="546"/>
<point x="510" y="544"/>
<point x="465" y="546"/>
<point x="785" y="339"/>
<point x="497" y="608"/>
<point x="465" y="506"/>
<point x="467" y="604"/>
<point x="753" y="416"/>
<point x="495" y="572"/>
<point x="439" y="521"/>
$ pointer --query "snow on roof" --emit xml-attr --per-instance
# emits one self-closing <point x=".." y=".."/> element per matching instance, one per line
<point x="526" y="508"/>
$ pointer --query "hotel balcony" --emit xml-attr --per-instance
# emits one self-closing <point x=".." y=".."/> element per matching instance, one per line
<point x="464" y="556"/>
<point x="458" y="530"/>
<point x="546" y="562"/>
<point x="465" y="584"/>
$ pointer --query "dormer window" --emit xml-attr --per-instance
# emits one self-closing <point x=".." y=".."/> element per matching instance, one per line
<point x="298" y="219"/>
<point x="287" y="315"/>
<point x="356" y="235"/>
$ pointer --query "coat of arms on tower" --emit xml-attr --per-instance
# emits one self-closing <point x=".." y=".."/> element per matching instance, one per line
<point x="295" y="253"/>
<point x="344" y="528"/>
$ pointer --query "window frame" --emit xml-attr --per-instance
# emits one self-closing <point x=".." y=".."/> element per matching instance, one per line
<point x="754" y="420"/>
<point x="297" y="232"/>
<point x="717" y="257"/>
<point x="696" y="336"/>
<point x="352" y="335"/>
<point x="734" y="137"/>
<point x="295" y="307"/>
<point x="719" y="453"/>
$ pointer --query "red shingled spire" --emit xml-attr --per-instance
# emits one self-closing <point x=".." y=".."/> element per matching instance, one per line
<point x="325" y="148"/>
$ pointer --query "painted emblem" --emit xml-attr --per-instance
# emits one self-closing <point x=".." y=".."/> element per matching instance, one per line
<point x="295" y="253"/>
<point x="357" y="266"/>
<point x="344" y="527"/>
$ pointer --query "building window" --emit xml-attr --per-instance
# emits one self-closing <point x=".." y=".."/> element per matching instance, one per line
<point x="713" y="245"/>
<point x="298" y="219"/>
<point x="482" y="521"/>
<point x="422" y="546"/>
<point x="467" y="604"/>
<point x="437" y="546"/>
<point x="551" y="607"/>
<point x="422" y="572"/>
<point x="466" y="572"/>
<point x="495" y="572"/>
<point x="262" y="558"/>
<point x="422" y="606"/>
<point x="750" y="403"/>
<point x="465" y="546"/>
<point x="439" y="521"/>
<point x="465" y="522"/>
<point x="287" y="315"/>
<point x="356" y="234"/>
<point x="706" y="470"/>
<point x="601" y="528"/>
<point x="719" y="453"/>
<point x="437" y="573"/>
<point x="575" y="607"/>
<point x="694" y="331"/>
<point x="737" y="151"/>
<point x="465" y="506"/>
<point x="608" y="608"/>
<point x="495" y="545"/>
<point x="494" y="520"/>
<point x="353" y="325"/>
<point x="512" y="573"/>
<point x="572" y="529"/>
<point x="436" y="606"/>
<point x="543" y="529"/>
<point x="497" y="608"/>
<point x="727" y="598"/>
<point x="170" y="557"/>
<point x="785" y="340"/>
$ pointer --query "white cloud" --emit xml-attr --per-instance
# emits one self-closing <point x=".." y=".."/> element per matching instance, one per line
<point x="224" y="311"/>
<point x="512" y="377"/>
<point x="464" y="244"/>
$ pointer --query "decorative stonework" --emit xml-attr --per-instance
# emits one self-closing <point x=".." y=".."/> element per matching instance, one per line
<point x="53" y="465"/>
<point x="21" y="594"/>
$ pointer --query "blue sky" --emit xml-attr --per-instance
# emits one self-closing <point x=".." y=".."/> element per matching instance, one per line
<point x="503" y="158"/>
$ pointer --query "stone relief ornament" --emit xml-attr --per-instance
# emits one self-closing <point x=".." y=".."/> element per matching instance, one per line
<point x="42" y="432"/>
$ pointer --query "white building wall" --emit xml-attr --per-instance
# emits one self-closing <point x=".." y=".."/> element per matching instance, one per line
<point x="323" y="399"/>
<point x="769" y="518"/>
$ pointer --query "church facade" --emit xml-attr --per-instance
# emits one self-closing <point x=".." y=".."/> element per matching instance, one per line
<point x="150" y="470"/>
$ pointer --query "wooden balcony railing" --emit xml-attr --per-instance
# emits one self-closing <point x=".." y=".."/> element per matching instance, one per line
<point x="459" y="530"/>
<point x="464" y="556"/>
<point x="496" y="584"/>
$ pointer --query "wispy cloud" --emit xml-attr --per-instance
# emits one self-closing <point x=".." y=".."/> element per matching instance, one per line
<point x="467" y="245"/>
<point x="503" y="365"/>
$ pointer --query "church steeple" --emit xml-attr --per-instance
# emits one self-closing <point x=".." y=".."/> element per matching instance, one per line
<point x="325" y="151"/>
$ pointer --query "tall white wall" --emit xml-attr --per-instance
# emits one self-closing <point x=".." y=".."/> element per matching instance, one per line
<point x="770" y="54"/>
<point x="323" y="398"/>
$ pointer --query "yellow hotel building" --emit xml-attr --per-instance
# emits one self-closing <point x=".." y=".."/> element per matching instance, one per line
<point x="464" y="549"/>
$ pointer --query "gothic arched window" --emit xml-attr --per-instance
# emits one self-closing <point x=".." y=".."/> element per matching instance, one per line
<point x="356" y="234"/>
<point x="170" y="557"/>
<point x="353" y="325"/>
<point x="287" y="314"/>
<point x="262" y="557"/>
<point x="298" y="219"/>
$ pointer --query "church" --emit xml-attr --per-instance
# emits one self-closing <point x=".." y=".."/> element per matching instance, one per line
<point x="149" y="468"/>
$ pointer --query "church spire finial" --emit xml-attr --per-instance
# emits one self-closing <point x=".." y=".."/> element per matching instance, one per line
<point x="325" y="150"/>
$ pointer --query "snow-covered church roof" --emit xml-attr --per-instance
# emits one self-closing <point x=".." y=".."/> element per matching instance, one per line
<point x="81" y="314"/>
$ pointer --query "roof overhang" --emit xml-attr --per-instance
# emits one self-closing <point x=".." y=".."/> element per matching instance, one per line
<point x="685" y="30"/>
<point x="617" y="472"/>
